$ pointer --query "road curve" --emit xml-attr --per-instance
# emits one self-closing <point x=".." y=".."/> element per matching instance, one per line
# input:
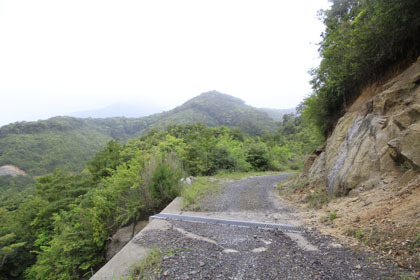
<point x="219" y="251"/>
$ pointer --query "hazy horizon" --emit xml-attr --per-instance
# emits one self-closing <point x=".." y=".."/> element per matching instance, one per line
<point x="108" y="111"/>
<point x="58" y="57"/>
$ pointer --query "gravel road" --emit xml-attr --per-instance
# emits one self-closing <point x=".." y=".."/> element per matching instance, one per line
<point x="249" y="194"/>
<point x="209" y="251"/>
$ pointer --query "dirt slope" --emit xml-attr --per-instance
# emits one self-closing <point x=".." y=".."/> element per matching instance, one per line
<point x="371" y="162"/>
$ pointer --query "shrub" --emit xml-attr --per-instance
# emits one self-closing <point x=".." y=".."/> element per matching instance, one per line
<point x="257" y="156"/>
<point x="362" y="40"/>
<point x="220" y="158"/>
<point x="164" y="183"/>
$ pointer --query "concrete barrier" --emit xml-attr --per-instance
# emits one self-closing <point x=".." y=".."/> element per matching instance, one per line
<point x="131" y="255"/>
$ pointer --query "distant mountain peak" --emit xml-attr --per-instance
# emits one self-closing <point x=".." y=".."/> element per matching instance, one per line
<point x="81" y="138"/>
<point x="217" y="95"/>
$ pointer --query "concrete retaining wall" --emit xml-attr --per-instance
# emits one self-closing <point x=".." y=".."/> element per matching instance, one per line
<point x="131" y="255"/>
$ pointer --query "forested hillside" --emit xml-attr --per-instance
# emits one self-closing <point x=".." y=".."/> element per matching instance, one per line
<point x="366" y="99"/>
<point x="362" y="41"/>
<point x="65" y="142"/>
<point x="277" y="114"/>
<point x="60" y="228"/>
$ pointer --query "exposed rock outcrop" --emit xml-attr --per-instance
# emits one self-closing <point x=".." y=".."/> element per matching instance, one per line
<point x="11" y="170"/>
<point x="375" y="139"/>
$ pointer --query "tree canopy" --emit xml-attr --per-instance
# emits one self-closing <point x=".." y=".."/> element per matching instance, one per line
<point x="362" y="40"/>
<point x="59" y="226"/>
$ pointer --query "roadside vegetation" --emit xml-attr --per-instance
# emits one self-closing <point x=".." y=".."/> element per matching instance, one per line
<point x="364" y="44"/>
<point x="67" y="143"/>
<point x="58" y="226"/>
<point x="150" y="264"/>
<point x="362" y="41"/>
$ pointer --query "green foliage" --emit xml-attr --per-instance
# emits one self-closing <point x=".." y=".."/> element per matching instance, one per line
<point x="291" y="143"/>
<point x="152" y="261"/>
<point x="60" y="227"/>
<point x="201" y="187"/>
<point x="164" y="184"/>
<point x="68" y="143"/>
<point x="361" y="41"/>
<point x="8" y="247"/>
<point x="332" y="216"/>
<point x="361" y="234"/>
<point x="257" y="156"/>
<point x="133" y="189"/>
<point x="220" y="158"/>
<point x="416" y="242"/>
<point x="13" y="190"/>
<point x="40" y="147"/>
<point x="17" y="224"/>
<point x="105" y="161"/>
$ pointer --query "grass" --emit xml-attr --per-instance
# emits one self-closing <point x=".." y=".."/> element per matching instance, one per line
<point x="390" y="241"/>
<point x="332" y="216"/>
<point x="370" y="236"/>
<point x="292" y="185"/>
<point x="151" y="262"/>
<point x="416" y="242"/>
<point x="358" y="233"/>
<point x="318" y="198"/>
<point x="301" y="188"/>
<point x="201" y="187"/>
<point x="406" y="277"/>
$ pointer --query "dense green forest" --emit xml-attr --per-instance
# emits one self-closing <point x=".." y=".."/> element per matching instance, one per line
<point x="67" y="143"/>
<point x="363" y="39"/>
<point x="60" y="227"/>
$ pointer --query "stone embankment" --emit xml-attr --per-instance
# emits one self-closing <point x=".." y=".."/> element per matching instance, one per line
<point x="377" y="141"/>
<point x="370" y="168"/>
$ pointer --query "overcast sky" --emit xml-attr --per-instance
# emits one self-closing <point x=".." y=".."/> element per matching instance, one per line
<point x="58" y="57"/>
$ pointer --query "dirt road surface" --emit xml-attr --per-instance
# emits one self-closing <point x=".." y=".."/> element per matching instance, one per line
<point x="211" y="251"/>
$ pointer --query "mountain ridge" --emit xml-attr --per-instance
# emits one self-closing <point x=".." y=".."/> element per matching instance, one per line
<point x="39" y="147"/>
<point x="119" y="109"/>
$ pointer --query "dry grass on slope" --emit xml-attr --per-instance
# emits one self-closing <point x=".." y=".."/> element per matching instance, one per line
<point x="385" y="219"/>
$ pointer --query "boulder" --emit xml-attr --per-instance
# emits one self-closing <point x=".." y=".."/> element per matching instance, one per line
<point x="374" y="139"/>
<point x="407" y="117"/>
<point x="317" y="168"/>
<point x="407" y="146"/>
<point x="358" y="158"/>
<point x="311" y="159"/>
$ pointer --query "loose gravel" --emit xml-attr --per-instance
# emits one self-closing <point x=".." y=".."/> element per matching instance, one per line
<point x="250" y="194"/>
<point x="252" y="253"/>
<point x="216" y="251"/>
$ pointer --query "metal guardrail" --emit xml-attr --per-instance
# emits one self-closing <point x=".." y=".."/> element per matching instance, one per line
<point x="282" y="227"/>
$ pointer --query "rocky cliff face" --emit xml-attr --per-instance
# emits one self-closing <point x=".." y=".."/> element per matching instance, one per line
<point x="376" y="142"/>
<point x="11" y="170"/>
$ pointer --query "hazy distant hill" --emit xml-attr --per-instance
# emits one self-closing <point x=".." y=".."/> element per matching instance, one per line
<point x="119" y="110"/>
<point x="215" y="109"/>
<point x="67" y="142"/>
<point x="277" y="114"/>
